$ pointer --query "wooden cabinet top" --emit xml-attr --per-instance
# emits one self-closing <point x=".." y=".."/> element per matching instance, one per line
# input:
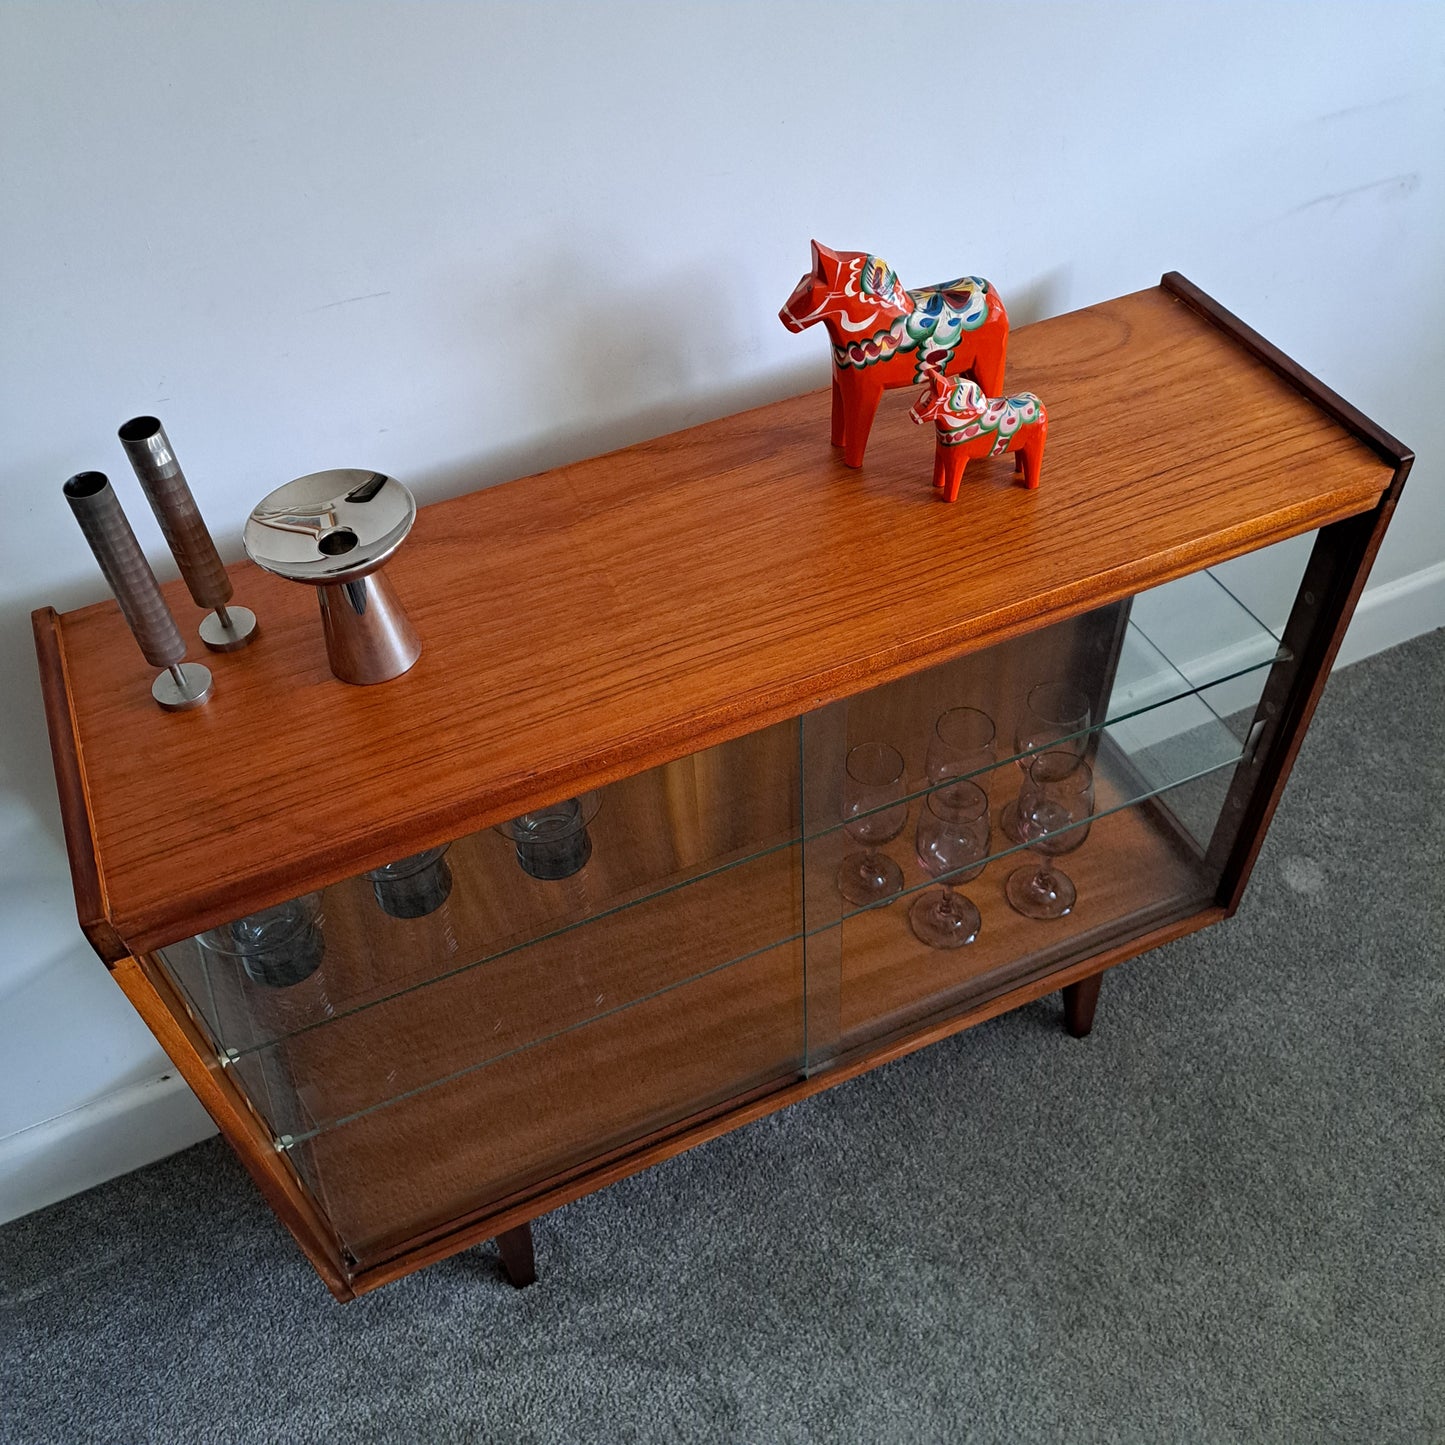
<point x="606" y="616"/>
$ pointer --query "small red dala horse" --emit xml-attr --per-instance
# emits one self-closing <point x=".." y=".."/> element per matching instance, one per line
<point x="970" y="425"/>
<point x="884" y="336"/>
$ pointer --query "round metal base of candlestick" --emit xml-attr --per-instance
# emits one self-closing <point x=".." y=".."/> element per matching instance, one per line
<point x="174" y="697"/>
<point x="238" y="629"/>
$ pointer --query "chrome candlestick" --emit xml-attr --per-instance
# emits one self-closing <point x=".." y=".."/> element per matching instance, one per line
<point x="334" y="530"/>
<point x="164" y="484"/>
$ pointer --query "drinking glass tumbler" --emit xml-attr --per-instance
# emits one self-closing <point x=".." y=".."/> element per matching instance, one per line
<point x="553" y="842"/>
<point x="276" y="947"/>
<point x="413" y="886"/>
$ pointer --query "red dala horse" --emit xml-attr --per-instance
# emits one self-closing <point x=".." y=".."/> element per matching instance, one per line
<point x="884" y="336"/>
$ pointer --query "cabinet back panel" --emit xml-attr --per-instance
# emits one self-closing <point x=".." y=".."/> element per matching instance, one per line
<point x="402" y="1171"/>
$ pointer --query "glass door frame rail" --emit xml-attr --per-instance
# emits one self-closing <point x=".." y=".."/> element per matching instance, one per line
<point x="1334" y="576"/>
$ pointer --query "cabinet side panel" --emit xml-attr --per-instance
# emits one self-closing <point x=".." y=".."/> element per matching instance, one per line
<point x="70" y="785"/>
<point x="1335" y="576"/>
<point x="151" y="993"/>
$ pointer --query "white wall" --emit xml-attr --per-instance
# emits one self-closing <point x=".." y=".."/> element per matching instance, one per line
<point x="461" y="242"/>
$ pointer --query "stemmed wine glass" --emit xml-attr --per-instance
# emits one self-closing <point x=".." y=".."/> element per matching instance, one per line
<point x="1058" y="793"/>
<point x="952" y="839"/>
<point x="874" y="778"/>
<point x="1055" y="717"/>
<point x="962" y="743"/>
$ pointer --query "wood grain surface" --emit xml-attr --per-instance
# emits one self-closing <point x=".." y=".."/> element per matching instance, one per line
<point x="607" y="616"/>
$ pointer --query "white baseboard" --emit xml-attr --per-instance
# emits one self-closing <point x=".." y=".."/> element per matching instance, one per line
<point x="1394" y="612"/>
<point x="111" y="1135"/>
<point x="1387" y="615"/>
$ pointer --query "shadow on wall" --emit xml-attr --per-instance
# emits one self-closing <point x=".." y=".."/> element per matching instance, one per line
<point x="577" y="441"/>
<point x="619" y="366"/>
<point x="610" y="364"/>
<point x="1041" y="298"/>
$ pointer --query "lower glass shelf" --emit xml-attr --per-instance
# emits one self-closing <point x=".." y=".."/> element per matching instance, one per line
<point x="390" y="1174"/>
<point x="1140" y="867"/>
<point x="407" y="1117"/>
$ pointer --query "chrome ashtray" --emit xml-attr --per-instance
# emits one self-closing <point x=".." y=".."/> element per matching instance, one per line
<point x="334" y="531"/>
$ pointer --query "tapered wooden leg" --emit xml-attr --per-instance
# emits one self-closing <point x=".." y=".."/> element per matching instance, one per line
<point x="861" y="395"/>
<point x="517" y="1257"/>
<point x="954" y="463"/>
<point x="1079" y="1001"/>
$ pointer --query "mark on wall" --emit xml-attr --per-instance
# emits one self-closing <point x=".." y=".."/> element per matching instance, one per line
<point x="1389" y="189"/>
<point x="347" y="300"/>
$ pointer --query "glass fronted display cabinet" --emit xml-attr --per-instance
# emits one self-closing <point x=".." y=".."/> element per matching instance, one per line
<point x="810" y="771"/>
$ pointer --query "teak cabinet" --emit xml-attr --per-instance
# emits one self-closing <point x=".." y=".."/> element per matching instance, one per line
<point x="687" y="637"/>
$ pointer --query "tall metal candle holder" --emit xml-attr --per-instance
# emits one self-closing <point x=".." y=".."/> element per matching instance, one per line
<point x="166" y="489"/>
<point x="183" y="685"/>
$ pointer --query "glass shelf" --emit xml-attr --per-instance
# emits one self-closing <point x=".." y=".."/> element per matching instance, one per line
<point x="317" y="1078"/>
<point x="1198" y="695"/>
<point x="477" y="1115"/>
<point x="478" y="1018"/>
<point x="1174" y="678"/>
<point x="686" y="823"/>
<point x="870" y="977"/>
<point x="654" y="833"/>
<point x="1123" y="779"/>
<point x="568" y="1098"/>
<point x="1203" y="629"/>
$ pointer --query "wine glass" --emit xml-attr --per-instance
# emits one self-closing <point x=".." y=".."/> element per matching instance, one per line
<point x="962" y="743"/>
<point x="874" y="778"/>
<point x="1054" y="717"/>
<point x="1058" y="793"/>
<point x="952" y="839"/>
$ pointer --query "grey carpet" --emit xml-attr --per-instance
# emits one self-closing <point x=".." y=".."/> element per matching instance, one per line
<point x="1219" y="1218"/>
